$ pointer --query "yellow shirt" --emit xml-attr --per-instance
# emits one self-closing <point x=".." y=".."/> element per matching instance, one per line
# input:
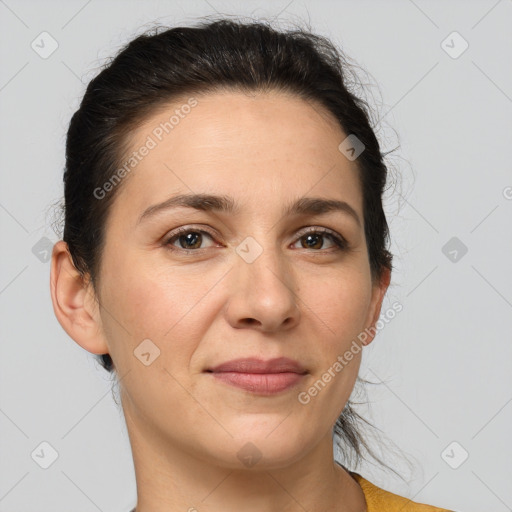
<point x="379" y="500"/>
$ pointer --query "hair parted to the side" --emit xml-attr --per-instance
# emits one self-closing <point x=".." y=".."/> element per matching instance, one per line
<point x="165" y="64"/>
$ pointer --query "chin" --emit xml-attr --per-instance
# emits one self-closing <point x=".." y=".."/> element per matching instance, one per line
<point x="260" y="449"/>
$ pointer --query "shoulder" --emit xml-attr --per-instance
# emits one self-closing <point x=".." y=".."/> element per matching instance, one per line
<point x="377" y="499"/>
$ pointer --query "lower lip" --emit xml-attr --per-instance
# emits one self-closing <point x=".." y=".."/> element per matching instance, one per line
<point x="262" y="383"/>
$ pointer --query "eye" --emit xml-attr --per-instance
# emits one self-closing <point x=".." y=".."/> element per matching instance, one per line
<point x="188" y="239"/>
<point x="313" y="239"/>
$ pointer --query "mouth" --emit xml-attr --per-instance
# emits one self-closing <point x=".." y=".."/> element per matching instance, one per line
<point x="259" y="376"/>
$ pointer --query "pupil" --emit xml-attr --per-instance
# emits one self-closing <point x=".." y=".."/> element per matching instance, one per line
<point x="190" y="237"/>
<point x="309" y="239"/>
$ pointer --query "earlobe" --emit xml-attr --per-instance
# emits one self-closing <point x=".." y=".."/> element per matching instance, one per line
<point x="378" y="293"/>
<point x="73" y="301"/>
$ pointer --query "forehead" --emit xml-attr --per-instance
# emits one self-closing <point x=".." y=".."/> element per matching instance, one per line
<point x="258" y="147"/>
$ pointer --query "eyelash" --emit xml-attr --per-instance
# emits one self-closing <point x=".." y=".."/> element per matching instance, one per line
<point x="338" y="240"/>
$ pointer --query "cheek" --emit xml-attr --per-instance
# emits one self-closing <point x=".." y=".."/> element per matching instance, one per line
<point x="171" y="307"/>
<point x="337" y="312"/>
<point x="340" y="300"/>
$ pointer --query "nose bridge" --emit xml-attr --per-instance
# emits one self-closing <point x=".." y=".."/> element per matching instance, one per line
<point x="261" y="257"/>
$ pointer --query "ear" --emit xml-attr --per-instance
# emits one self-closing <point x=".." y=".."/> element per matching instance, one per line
<point x="74" y="302"/>
<point x="379" y="289"/>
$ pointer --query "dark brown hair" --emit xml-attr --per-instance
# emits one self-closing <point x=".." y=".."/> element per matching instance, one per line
<point x="169" y="63"/>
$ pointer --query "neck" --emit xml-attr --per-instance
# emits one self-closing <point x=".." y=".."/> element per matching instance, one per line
<point x="171" y="479"/>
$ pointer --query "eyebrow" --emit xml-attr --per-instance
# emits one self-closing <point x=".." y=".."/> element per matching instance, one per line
<point x="226" y="204"/>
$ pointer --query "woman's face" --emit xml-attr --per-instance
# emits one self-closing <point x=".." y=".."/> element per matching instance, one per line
<point x="256" y="282"/>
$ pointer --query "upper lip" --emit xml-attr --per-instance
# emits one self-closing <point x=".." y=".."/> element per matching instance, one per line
<point x="256" y="365"/>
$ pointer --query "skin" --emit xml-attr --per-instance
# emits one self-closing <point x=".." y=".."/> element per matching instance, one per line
<point x="308" y="303"/>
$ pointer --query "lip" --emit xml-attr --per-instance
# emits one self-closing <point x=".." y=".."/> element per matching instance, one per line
<point x="256" y="365"/>
<point x="259" y="376"/>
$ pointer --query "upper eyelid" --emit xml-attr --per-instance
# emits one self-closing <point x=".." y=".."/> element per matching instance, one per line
<point x="202" y="229"/>
<point x="300" y="232"/>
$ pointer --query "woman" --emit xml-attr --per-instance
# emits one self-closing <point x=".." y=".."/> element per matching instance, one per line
<point x="224" y="252"/>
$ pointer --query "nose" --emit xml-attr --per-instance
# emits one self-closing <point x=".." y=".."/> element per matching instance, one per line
<point x="264" y="295"/>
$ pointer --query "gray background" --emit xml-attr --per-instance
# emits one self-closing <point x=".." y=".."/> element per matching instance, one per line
<point x="443" y="364"/>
